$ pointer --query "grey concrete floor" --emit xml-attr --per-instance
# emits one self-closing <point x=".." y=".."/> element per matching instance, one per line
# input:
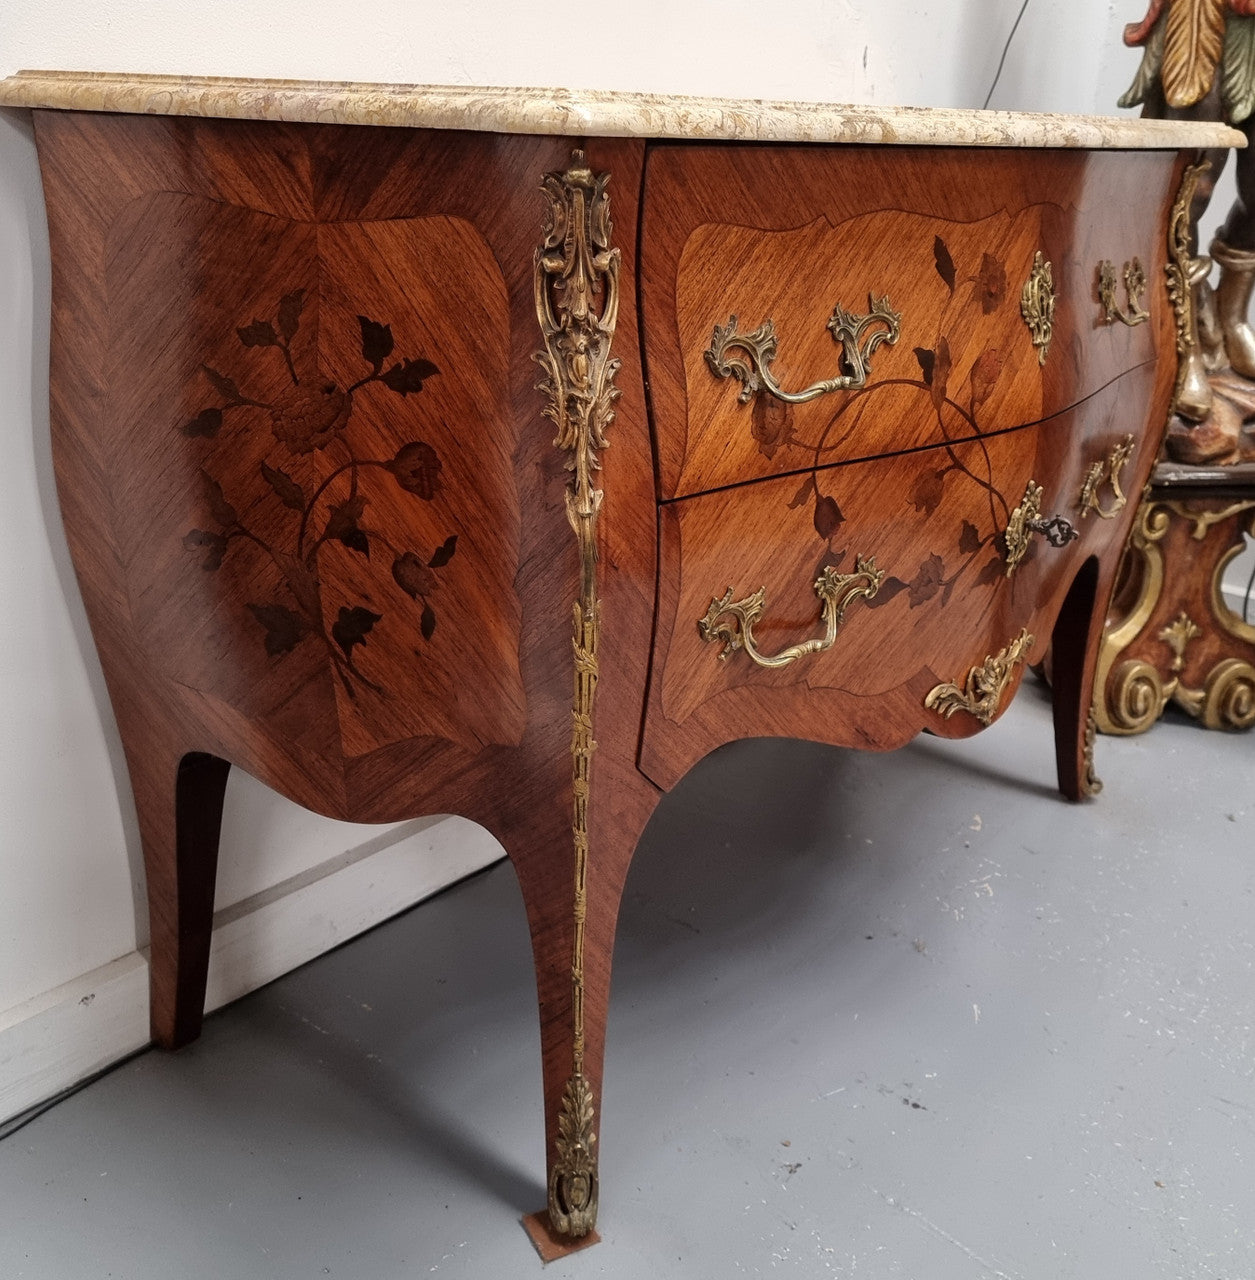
<point x="895" y="1016"/>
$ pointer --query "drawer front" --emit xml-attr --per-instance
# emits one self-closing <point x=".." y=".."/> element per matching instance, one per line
<point x="928" y="253"/>
<point x="932" y="528"/>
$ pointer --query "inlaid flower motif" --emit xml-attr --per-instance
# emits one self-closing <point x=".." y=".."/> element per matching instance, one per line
<point x="417" y="469"/>
<point x="308" y="417"/>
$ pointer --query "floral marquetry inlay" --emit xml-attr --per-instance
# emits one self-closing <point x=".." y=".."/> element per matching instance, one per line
<point x="304" y="417"/>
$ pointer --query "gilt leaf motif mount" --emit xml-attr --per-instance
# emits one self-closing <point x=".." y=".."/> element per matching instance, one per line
<point x="981" y="693"/>
<point x="1037" y="305"/>
<point x="577" y="307"/>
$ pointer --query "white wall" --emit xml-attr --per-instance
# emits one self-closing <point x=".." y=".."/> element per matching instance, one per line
<point x="71" y="916"/>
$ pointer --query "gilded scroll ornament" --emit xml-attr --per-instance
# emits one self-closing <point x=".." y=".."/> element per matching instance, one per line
<point x="1134" y="289"/>
<point x="835" y="591"/>
<point x="577" y="305"/>
<point x="1204" y="519"/>
<point x="1037" y="305"/>
<point x="1180" y="267"/>
<point x="1026" y="520"/>
<point x="1108" y="472"/>
<point x="982" y="692"/>
<point x="1131" y="692"/>
<point x="1129" y="696"/>
<point x="858" y="337"/>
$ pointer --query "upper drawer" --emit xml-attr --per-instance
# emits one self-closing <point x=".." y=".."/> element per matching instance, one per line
<point x="787" y="235"/>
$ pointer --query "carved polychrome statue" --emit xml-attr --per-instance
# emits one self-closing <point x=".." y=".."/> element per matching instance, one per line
<point x="1198" y="62"/>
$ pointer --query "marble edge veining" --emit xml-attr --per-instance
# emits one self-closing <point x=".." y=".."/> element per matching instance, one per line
<point x="596" y="113"/>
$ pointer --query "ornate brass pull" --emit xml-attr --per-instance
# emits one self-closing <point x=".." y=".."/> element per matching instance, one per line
<point x="1037" y="305"/>
<point x="835" y="591"/>
<point x="753" y="369"/>
<point x="1134" y="288"/>
<point x="1107" y="472"/>
<point x="1027" y="520"/>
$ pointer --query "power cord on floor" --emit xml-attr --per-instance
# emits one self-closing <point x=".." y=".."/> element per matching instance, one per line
<point x="18" y="1122"/>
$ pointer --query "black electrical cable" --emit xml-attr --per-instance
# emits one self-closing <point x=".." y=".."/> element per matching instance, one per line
<point x="1015" y="26"/>
<point x="12" y="1125"/>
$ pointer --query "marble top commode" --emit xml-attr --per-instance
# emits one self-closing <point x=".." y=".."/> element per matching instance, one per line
<point x="603" y="113"/>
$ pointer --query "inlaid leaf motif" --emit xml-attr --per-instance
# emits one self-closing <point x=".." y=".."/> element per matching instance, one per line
<point x="829" y="560"/>
<point x="289" y="492"/>
<point x="802" y="496"/>
<point x="927" y="361"/>
<point x="206" y="424"/>
<point x="986" y="370"/>
<point x="343" y="527"/>
<point x="927" y="582"/>
<point x="1237" y="74"/>
<point x="991" y="283"/>
<point x="214" y="544"/>
<point x="221" y="510"/>
<point x="941" y="374"/>
<point x="928" y="489"/>
<point x="889" y="588"/>
<point x="284" y="628"/>
<point x="290" y="307"/>
<point x="969" y="539"/>
<point x="993" y="571"/>
<point x="943" y="262"/>
<point x="261" y="333"/>
<point x="408" y="376"/>
<point x="352" y="626"/>
<point x="377" y="341"/>
<point x="828" y="517"/>
<point x="1193" y="44"/>
<point x="444" y="552"/>
<point x="223" y="385"/>
<point x="427" y="623"/>
<point x="771" y="424"/>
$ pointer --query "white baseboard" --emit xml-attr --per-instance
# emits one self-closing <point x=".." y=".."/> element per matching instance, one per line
<point x="56" y="1039"/>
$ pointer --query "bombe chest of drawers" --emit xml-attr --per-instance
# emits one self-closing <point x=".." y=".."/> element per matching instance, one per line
<point x="502" y="453"/>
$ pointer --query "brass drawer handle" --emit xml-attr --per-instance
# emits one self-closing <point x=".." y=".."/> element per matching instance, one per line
<point x="1106" y="472"/>
<point x="835" y="591"/>
<point x="1027" y="520"/>
<point x="753" y="371"/>
<point x="1134" y="288"/>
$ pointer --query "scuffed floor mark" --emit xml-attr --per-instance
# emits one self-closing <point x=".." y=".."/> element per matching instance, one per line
<point x="991" y="1268"/>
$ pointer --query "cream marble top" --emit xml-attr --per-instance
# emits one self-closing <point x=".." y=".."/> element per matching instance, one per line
<point x="595" y="113"/>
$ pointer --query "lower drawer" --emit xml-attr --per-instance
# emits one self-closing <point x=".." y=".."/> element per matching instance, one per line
<point x="914" y="550"/>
